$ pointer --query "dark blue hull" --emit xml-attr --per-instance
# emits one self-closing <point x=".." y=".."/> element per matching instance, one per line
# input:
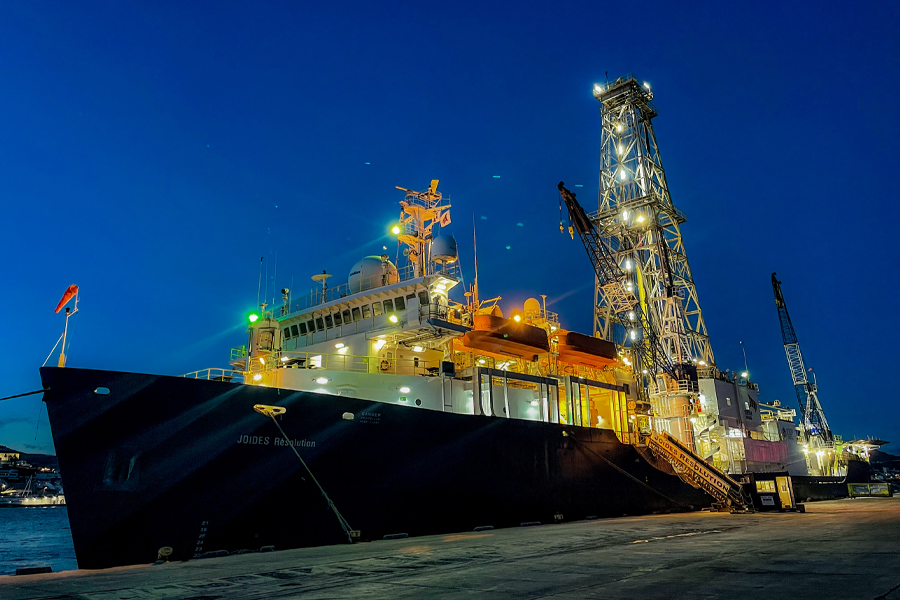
<point x="168" y="461"/>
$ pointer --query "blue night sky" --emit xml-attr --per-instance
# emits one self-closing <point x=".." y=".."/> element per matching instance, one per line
<point x="151" y="152"/>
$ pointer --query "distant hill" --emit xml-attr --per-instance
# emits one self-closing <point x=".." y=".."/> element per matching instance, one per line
<point x="47" y="461"/>
<point x="879" y="458"/>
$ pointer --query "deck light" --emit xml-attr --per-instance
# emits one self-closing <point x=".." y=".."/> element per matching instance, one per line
<point x="339" y="345"/>
<point x="253" y="317"/>
<point x="284" y="359"/>
<point x="262" y="361"/>
<point x="418" y="349"/>
<point x="322" y="380"/>
<point x="640" y="218"/>
<point x="534" y="402"/>
<point x="395" y="230"/>
<point x="744" y="374"/>
<point x="257" y="377"/>
<point x="404" y="390"/>
<point x="393" y="318"/>
<point x="517" y="318"/>
<point x="480" y="361"/>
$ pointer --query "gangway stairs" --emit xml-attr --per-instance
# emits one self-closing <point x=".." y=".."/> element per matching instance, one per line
<point x="700" y="474"/>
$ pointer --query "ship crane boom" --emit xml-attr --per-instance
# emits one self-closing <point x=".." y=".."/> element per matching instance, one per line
<point x="650" y="353"/>
<point x="812" y="417"/>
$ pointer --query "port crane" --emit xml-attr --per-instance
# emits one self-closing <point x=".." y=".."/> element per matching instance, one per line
<point x="813" y="422"/>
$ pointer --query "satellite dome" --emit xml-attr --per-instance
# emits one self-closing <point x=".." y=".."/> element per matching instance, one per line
<point x="372" y="272"/>
<point x="443" y="249"/>
<point x="532" y="307"/>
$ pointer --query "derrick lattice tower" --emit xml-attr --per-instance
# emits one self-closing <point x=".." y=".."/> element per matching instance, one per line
<point x="642" y="227"/>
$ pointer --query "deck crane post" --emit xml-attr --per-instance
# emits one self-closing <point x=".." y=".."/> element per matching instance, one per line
<point x="812" y="418"/>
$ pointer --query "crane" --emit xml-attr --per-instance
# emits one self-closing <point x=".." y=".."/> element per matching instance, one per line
<point x="812" y="417"/>
<point x="650" y="355"/>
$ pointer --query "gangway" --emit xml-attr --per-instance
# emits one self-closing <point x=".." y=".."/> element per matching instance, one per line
<point x="700" y="474"/>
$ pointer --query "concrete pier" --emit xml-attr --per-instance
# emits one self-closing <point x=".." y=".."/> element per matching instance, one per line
<point x="837" y="549"/>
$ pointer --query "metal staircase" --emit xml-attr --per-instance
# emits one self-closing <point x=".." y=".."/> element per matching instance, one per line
<point x="700" y="474"/>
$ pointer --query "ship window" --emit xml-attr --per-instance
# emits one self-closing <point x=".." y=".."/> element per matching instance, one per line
<point x="287" y="333"/>
<point x="337" y="318"/>
<point x="728" y="401"/>
<point x="302" y="328"/>
<point x="376" y="308"/>
<point x="346" y="316"/>
<point x="410" y="296"/>
<point x="366" y="312"/>
<point x="388" y="306"/>
<point x="400" y="303"/>
<point x="356" y="316"/>
<point x="320" y="324"/>
<point x="423" y="298"/>
<point x="311" y="326"/>
<point x="294" y="332"/>
<point x="329" y="323"/>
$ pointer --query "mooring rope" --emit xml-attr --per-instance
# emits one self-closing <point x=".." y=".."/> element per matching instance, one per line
<point x="272" y="411"/>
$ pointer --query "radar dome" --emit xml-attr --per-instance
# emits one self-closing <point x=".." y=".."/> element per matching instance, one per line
<point x="372" y="272"/>
<point x="443" y="249"/>
<point x="532" y="307"/>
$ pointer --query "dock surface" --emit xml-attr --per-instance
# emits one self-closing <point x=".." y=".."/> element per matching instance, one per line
<point x="837" y="549"/>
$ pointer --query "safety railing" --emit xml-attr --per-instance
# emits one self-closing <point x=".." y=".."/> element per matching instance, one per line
<point x="323" y="295"/>
<point x="290" y="359"/>
<point x="217" y="374"/>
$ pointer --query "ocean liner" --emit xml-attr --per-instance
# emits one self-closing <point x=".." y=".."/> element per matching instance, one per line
<point x="372" y="408"/>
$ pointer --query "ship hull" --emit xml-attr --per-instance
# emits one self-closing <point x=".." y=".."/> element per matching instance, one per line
<point x="167" y="461"/>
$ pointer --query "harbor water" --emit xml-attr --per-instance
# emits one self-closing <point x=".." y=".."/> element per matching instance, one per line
<point x="35" y="537"/>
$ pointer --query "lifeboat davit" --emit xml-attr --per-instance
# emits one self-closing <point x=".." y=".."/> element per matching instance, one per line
<point x="494" y="334"/>
<point x="579" y="349"/>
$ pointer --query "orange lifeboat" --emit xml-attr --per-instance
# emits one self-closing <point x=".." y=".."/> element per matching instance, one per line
<point x="496" y="335"/>
<point x="579" y="349"/>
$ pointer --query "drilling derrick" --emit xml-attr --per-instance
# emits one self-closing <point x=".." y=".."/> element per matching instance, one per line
<point x="816" y="433"/>
<point x="641" y="227"/>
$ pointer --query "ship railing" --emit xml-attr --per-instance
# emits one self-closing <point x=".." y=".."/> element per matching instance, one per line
<point x="292" y="359"/>
<point x="325" y="294"/>
<point x="217" y="374"/>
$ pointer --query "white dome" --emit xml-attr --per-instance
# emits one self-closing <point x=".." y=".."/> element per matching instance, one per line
<point x="371" y="272"/>
<point x="443" y="249"/>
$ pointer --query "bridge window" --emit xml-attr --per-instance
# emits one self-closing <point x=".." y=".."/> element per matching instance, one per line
<point x="311" y="326"/>
<point x="294" y="332"/>
<point x="356" y="316"/>
<point x="366" y="312"/>
<point x="329" y="323"/>
<point x="320" y="324"/>
<point x="423" y="298"/>
<point x="302" y="328"/>
<point x="388" y="306"/>
<point x="346" y="316"/>
<point x="337" y="318"/>
<point x="400" y="303"/>
<point x="287" y="333"/>
<point x="376" y="308"/>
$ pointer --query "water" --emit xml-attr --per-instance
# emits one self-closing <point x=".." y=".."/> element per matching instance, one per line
<point x="35" y="537"/>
